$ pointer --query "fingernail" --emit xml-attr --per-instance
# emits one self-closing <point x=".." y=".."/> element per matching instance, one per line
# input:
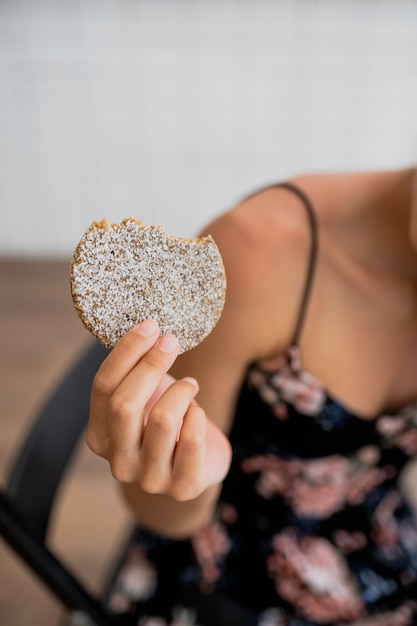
<point x="191" y="380"/>
<point x="148" y="328"/>
<point x="168" y="344"/>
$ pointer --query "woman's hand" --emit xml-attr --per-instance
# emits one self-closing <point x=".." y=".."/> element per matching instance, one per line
<point x="148" y="425"/>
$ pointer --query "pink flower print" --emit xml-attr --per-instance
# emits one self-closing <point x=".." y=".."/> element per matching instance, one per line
<point x="400" y="430"/>
<point x="272" y="397"/>
<point x="272" y="617"/>
<point x="300" y="388"/>
<point x="259" y="381"/>
<point x="408" y="537"/>
<point x="349" y="542"/>
<point x="363" y="482"/>
<point x="228" y="513"/>
<point x="390" y="426"/>
<point x="276" y="475"/>
<point x="386" y="530"/>
<point x="328" y="484"/>
<point x="401" y="616"/>
<point x="318" y="487"/>
<point x="392" y="535"/>
<point x="282" y="379"/>
<point x="383" y="514"/>
<point x="407" y="441"/>
<point x="310" y="574"/>
<point x="182" y="617"/>
<point x="136" y="580"/>
<point x="301" y="391"/>
<point x="119" y="602"/>
<point x="211" y="544"/>
<point x="342" y="481"/>
<point x="368" y="455"/>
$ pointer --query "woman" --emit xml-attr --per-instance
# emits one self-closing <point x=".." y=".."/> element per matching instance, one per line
<point x="278" y="502"/>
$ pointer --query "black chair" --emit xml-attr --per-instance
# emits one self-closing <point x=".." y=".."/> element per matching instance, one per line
<point x="26" y="502"/>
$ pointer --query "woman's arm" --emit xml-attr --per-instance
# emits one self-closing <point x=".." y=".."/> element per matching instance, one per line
<point x="169" y="453"/>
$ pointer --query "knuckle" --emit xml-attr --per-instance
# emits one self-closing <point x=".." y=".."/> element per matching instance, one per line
<point x="129" y="341"/>
<point x="102" y="384"/>
<point x="193" y="435"/>
<point x="198" y="413"/>
<point x="161" y="420"/>
<point x="91" y="441"/>
<point x="150" y="484"/>
<point x="121" y="407"/>
<point x="95" y="443"/>
<point x="122" y="472"/>
<point x="192" y="441"/>
<point x="153" y="360"/>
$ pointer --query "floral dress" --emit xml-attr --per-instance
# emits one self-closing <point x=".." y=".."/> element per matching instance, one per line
<point x="311" y="526"/>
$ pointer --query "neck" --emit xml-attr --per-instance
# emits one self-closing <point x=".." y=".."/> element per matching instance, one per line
<point x="378" y="230"/>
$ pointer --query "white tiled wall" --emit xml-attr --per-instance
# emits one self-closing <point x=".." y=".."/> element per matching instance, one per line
<point x="170" y="110"/>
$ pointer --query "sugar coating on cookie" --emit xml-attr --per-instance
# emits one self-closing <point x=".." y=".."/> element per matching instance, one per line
<point x="124" y="273"/>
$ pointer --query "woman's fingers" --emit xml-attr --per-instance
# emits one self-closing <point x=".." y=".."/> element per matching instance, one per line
<point x="202" y="456"/>
<point x="146" y="423"/>
<point x="188" y="468"/>
<point x="114" y="369"/>
<point x="127" y="407"/>
<point x="162" y="434"/>
<point x="135" y="391"/>
<point x="124" y="356"/>
<point x="123" y="386"/>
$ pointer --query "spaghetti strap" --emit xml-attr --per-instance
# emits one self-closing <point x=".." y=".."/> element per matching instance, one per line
<point x="312" y="258"/>
<point x="313" y="250"/>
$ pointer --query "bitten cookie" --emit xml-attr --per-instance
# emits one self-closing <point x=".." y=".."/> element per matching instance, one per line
<point x="124" y="273"/>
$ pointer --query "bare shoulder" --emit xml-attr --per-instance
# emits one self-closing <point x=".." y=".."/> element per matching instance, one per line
<point x="265" y="242"/>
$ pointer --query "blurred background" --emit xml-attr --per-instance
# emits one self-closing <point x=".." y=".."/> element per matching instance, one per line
<point x="170" y="111"/>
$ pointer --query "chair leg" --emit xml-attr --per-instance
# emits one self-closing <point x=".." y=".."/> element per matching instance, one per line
<point x="54" y="574"/>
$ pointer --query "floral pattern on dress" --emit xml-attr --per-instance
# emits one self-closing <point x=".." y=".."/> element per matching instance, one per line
<point x="280" y="381"/>
<point x="182" y="616"/>
<point x="401" y="616"/>
<point x="136" y="581"/>
<point x="310" y="574"/>
<point x="319" y="487"/>
<point x="210" y="544"/>
<point x="400" y="430"/>
<point x="321" y="527"/>
<point x="395" y="538"/>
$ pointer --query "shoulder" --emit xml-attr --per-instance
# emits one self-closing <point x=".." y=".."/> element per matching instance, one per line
<point x="259" y="232"/>
<point x="265" y="242"/>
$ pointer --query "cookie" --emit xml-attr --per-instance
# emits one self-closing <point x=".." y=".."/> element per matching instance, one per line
<point x="122" y="274"/>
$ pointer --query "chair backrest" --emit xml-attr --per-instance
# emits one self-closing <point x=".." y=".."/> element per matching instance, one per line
<point x="44" y="456"/>
<point x="27" y="500"/>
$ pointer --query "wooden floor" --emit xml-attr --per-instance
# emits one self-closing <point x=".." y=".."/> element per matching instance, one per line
<point x="40" y="334"/>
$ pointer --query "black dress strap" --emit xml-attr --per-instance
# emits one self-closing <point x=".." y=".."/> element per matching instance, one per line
<point x="313" y="250"/>
<point x="312" y="258"/>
